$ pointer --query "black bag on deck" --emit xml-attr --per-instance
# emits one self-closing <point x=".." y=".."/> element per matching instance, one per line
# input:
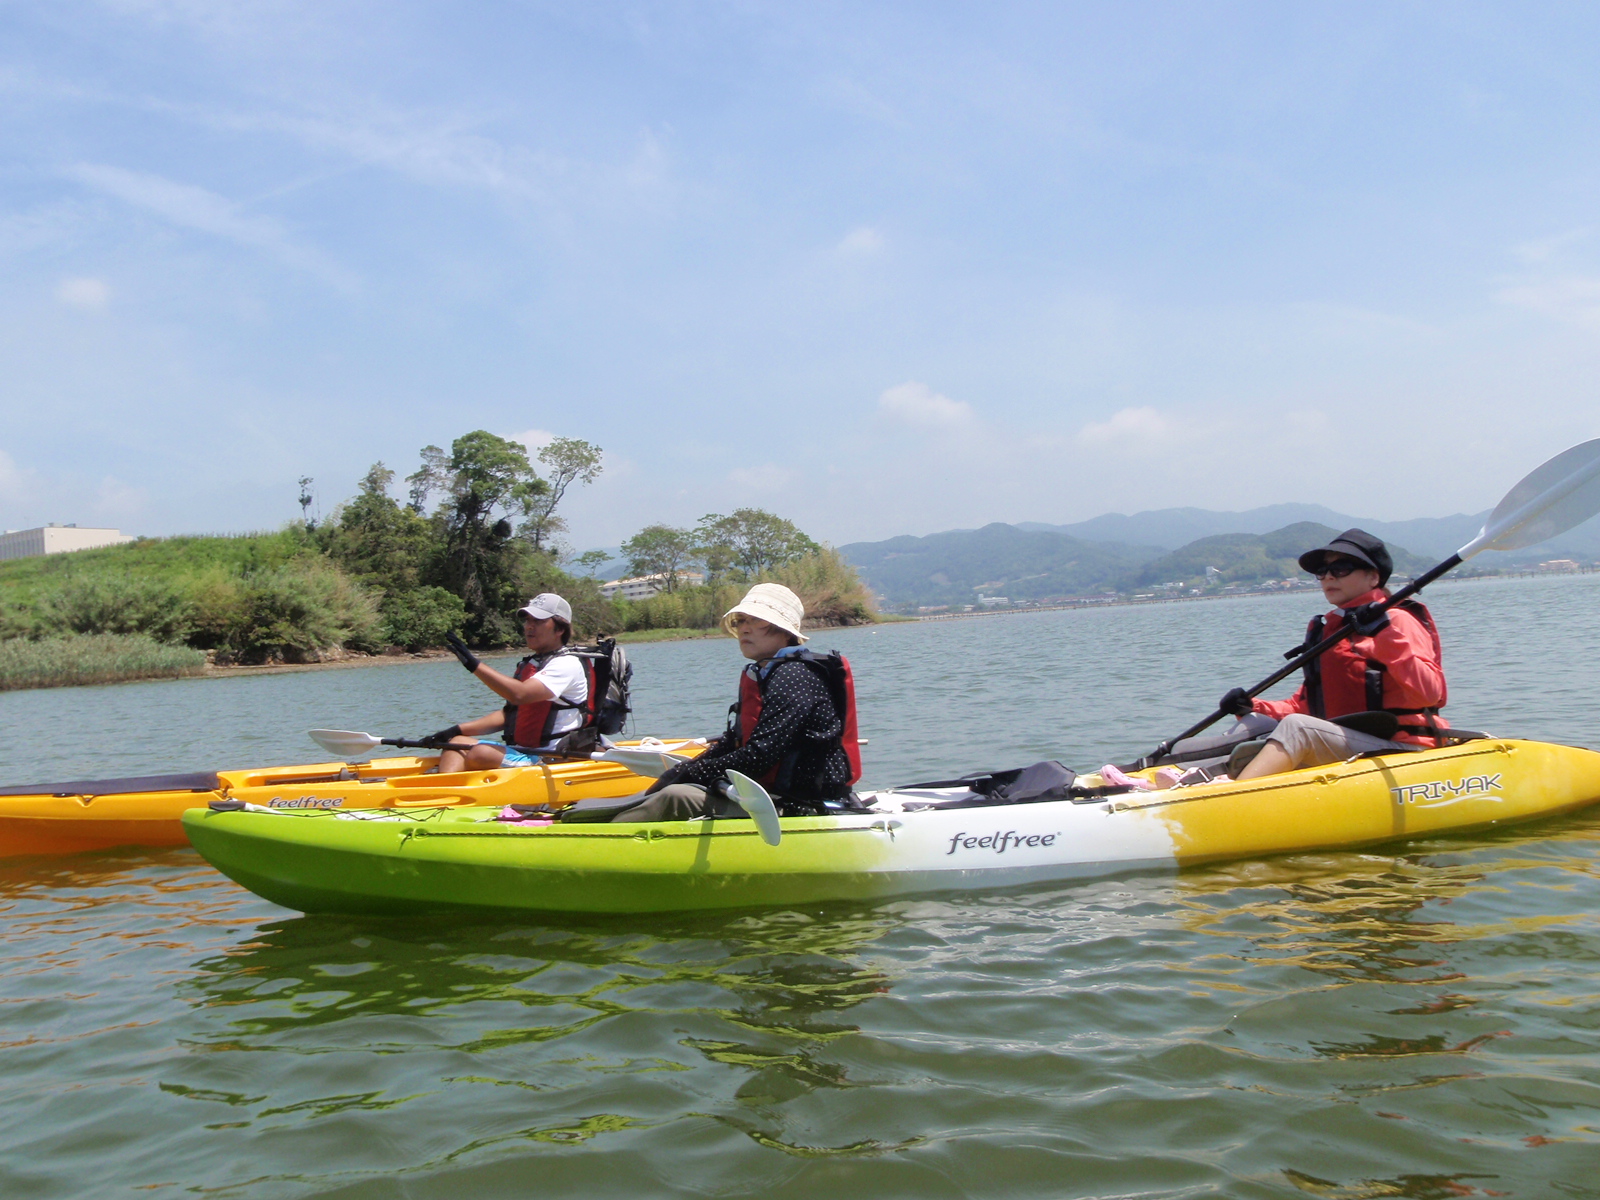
<point x="612" y="713"/>
<point x="600" y="808"/>
<point x="1047" y="780"/>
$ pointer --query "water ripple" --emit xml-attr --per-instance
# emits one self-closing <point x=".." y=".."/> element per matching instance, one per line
<point x="1419" y="1023"/>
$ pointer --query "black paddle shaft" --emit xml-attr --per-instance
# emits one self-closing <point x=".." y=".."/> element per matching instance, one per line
<point x="1300" y="660"/>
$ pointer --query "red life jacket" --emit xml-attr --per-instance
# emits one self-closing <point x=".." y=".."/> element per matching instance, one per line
<point x="834" y="668"/>
<point x="532" y="725"/>
<point x="1343" y="681"/>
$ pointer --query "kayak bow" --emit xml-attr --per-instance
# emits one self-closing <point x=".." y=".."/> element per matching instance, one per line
<point x="98" y="814"/>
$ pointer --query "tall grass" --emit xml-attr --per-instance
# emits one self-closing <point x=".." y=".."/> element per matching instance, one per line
<point x="829" y="587"/>
<point x="95" y="658"/>
<point x="291" y="612"/>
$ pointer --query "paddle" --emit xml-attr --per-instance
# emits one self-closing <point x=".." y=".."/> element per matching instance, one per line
<point x="650" y="763"/>
<point x="741" y="789"/>
<point x="1548" y="501"/>
<point x="347" y="743"/>
<point x="753" y="798"/>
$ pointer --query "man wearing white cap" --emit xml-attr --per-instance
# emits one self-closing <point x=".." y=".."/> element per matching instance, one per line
<point x="794" y="728"/>
<point x="545" y="697"/>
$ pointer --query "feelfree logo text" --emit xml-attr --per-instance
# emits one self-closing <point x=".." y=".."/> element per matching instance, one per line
<point x="1000" y="842"/>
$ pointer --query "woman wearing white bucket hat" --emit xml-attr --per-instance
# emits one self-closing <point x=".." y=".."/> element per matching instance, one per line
<point x="793" y="728"/>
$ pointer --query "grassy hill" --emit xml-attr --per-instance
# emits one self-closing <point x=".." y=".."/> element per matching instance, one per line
<point x="23" y="580"/>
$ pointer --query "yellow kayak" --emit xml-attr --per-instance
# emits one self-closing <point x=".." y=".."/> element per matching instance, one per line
<point x="97" y="814"/>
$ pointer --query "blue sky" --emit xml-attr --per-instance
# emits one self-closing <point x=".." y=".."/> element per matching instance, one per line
<point x="880" y="268"/>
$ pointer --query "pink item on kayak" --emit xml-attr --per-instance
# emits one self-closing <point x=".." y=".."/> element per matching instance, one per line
<point x="1116" y="778"/>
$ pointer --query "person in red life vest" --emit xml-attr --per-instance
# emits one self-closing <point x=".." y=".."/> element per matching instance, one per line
<point x="793" y="729"/>
<point x="546" y="696"/>
<point x="1391" y="664"/>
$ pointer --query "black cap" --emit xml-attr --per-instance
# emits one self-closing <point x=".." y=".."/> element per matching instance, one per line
<point x="1352" y="543"/>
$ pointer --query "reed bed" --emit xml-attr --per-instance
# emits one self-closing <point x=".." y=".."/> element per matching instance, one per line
<point x="92" y="658"/>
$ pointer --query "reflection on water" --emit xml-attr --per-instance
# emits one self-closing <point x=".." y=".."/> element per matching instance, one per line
<point x="768" y="973"/>
<point x="1250" y="1029"/>
<point x="1418" y="1023"/>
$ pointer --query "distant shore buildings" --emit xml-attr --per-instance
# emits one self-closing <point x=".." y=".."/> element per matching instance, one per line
<point x="57" y="539"/>
<point x="641" y="587"/>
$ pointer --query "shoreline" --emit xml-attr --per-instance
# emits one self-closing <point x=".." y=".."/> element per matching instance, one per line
<point x="352" y="661"/>
<point x="212" y="671"/>
<point x="638" y="637"/>
<point x="1130" y="601"/>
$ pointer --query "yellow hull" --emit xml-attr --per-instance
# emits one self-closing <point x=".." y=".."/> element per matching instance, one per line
<point x="1393" y="797"/>
<point x="51" y="823"/>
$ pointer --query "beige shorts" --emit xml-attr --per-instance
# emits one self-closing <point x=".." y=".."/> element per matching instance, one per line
<point x="1311" y="741"/>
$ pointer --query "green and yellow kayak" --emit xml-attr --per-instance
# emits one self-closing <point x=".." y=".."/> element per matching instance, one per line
<point x="98" y="814"/>
<point x="911" y="841"/>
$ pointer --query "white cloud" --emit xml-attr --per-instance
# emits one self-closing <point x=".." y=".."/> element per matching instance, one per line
<point x="918" y="404"/>
<point x="88" y="294"/>
<point x="861" y="241"/>
<point x="1129" y="425"/>
<point x="196" y="208"/>
<point x="534" y="439"/>
<point x="1575" y="299"/>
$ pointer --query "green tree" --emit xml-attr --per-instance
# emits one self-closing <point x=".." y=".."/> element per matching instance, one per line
<point x="378" y="540"/>
<point x="590" y="559"/>
<point x="482" y="476"/>
<point x="422" y="617"/>
<point x="566" y="461"/>
<point x="659" y="550"/>
<point x="751" y="541"/>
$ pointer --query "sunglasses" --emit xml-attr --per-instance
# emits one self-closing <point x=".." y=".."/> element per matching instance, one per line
<point x="1340" y="568"/>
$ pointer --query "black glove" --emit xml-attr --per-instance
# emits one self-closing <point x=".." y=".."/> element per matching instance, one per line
<point x="667" y="778"/>
<point x="469" y="660"/>
<point x="1368" y="620"/>
<point x="443" y="736"/>
<point x="1236" y="702"/>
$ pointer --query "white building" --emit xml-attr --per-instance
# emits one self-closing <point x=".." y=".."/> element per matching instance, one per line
<point x="56" y="539"/>
<point x="643" y="586"/>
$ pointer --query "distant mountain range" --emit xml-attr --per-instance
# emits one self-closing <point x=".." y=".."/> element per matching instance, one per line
<point x="1115" y="552"/>
<point x="1436" y="537"/>
<point x="954" y="567"/>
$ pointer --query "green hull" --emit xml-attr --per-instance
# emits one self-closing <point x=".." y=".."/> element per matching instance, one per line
<point x="429" y="859"/>
<point x="318" y="862"/>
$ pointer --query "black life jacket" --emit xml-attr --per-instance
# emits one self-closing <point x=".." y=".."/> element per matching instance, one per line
<point x="530" y="726"/>
<point x="1345" y="697"/>
<point x="834" y="670"/>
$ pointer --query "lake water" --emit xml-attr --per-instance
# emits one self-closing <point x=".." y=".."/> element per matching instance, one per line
<point x="1417" y="1022"/>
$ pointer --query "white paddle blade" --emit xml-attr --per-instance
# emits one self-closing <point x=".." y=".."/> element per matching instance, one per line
<point x="652" y="764"/>
<point x="1550" y="500"/>
<point x="344" y="742"/>
<point x="753" y="798"/>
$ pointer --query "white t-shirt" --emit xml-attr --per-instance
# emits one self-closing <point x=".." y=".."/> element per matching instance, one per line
<point x="564" y="676"/>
